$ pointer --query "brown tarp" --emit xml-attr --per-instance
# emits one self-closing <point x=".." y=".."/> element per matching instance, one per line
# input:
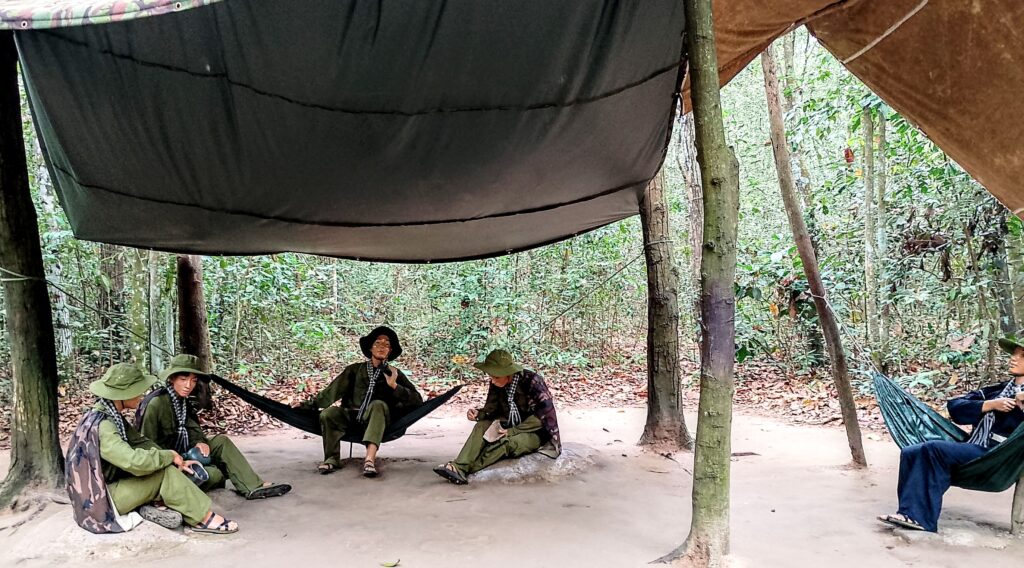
<point x="954" y="68"/>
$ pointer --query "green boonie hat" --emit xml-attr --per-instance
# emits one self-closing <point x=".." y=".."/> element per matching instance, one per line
<point x="1011" y="343"/>
<point x="123" y="381"/>
<point x="182" y="364"/>
<point x="499" y="363"/>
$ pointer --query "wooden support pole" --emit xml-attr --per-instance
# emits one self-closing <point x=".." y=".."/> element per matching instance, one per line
<point x="36" y="458"/>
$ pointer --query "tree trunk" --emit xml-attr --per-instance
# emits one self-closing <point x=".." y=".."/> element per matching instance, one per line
<point x="1002" y="287"/>
<point x="110" y="298"/>
<point x="708" y="541"/>
<point x="138" y="314"/>
<point x="882" y="250"/>
<point x="36" y="459"/>
<point x="1017" y="513"/>
<point x="192" y="324"/>
<point x="870" y="279"/>
<point x="157" y="308"/>
<point x="686" y="160"/>
<point x="55" y="271"/>
<point x="794" y="211"/>
<point x="666" y="427"/>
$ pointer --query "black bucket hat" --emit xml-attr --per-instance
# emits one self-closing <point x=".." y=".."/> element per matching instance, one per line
<point x="367" y="340"/>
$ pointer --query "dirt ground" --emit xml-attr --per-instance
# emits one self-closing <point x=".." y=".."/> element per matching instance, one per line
<point x="794" y="503"/>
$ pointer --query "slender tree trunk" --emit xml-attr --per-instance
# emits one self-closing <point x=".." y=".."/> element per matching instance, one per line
<point x="794" y="211"/>
<point x="1002" y="287"/>
<point x="192" y="323"/>
<point x="111" y="299"/>
<point x="157" y="301"/>
<point x="666" y="427"/>
<point x="984" y="315"/>
<point x="686" y="160"/>
<point x="708" y="541"/>
<point x="1017" y="513"/>
<point x="36" y="459"/>
<point x="1015" y="255"/>
<point x="138" y="312"/>
<point x="55" y="271"/>
<point x="882" y="248"/>
<point x="870" y="278"/>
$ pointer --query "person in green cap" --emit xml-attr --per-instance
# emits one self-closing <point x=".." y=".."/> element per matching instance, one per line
<point x="166" y="416"/>
<point x="112" y="469"/>
<point x="517" y="418"/>
<point x="371" y="394"/>
<point x="994" y="412"/>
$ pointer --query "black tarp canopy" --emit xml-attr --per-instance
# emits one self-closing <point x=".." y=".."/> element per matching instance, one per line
<point x="405" y="131"/>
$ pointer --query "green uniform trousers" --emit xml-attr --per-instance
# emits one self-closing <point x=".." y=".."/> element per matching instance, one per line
<point x="478" y="453"/>
<point x="169" y="485"/>
<point x="225" y="457"/>
<point x="335" y="422"/>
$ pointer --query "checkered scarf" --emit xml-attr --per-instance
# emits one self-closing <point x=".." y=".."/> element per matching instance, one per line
<point x="180" y="407"/>
<point x="513" y="411"/>
<point x="111" y="411"/>
<point x="374" y="375"/>
<point x="982" y="434"/>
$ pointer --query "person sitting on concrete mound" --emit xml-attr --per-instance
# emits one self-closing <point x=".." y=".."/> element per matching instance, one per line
<point x="518" y="418"/>
<point x="111" y="469"/>
<point x="166" y="416"/>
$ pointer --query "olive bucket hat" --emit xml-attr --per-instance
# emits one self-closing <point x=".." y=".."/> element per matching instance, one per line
<point x="499" y="363"/>
<point x="1011" y="343"/>
<point x="366" y="342"/>
<point x="182" y="364"/>
<point x="123" y="381"/>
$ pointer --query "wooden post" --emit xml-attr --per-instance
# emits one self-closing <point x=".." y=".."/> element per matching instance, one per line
<point x="666" y="427"/>
<point x="36" y="459"/>
<point x="192" y="325"/>
<point x="1017" y="515"/>
<point x="794" y="210"/>
<point x="708" y="541"/>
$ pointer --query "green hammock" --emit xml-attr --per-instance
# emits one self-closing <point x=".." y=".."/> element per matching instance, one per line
<point x="911" y="421"/>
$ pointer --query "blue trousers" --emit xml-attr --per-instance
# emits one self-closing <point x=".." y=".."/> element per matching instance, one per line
<point x="925" y="477"/>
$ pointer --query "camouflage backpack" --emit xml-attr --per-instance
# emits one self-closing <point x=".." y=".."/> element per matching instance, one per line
<point x="83" y="470"/>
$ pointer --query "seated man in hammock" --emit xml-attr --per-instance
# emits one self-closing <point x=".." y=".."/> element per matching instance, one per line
<point x="166" y="416"/>
<point x="112" y="469"/>
<point x="994" y="412"/>
<point x="517" y="418"/>
<point x="371" y="393"/>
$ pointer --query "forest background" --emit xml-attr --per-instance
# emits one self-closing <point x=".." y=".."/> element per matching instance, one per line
<point x="914" y="247"/>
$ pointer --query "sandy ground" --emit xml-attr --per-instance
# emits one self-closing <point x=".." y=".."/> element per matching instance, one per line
<point x="793" y="504"/>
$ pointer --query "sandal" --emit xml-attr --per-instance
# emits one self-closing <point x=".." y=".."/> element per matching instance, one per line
<point x="451" y="473"/>
<point x="369" y="469"/>
<point x="166" y="518"/>
<point x="223" y="527"/>
<point x="267" y="491"/>
<point x="901" y="521"/>
<point x="327" y="467"/>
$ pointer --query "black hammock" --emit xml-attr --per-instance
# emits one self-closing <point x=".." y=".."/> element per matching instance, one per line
<point x="911" y="421"/>
<point x="308" y="420"/>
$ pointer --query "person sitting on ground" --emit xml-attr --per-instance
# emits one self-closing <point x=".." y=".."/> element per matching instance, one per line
<point x="371" y="394"/>
<point x="925" y="469"/>
<point x="166" y="416"/>
<point x="517" y="418"/>
<point x="112" y="469"/>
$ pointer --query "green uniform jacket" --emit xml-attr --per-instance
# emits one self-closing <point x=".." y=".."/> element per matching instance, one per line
<point x="160" y="425"/>
<point x="350" y="388"/>
<point x="138" y="456"/>
<point x="496" y="405"/>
